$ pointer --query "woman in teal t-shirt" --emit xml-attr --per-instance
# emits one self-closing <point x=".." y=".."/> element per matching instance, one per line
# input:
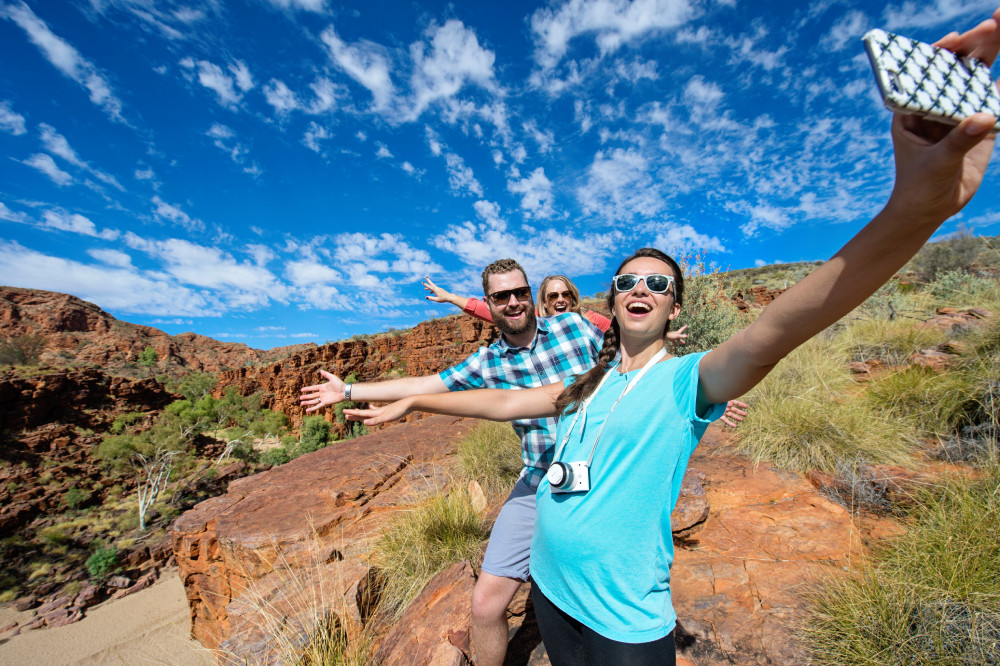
<point x="602" y="552"/>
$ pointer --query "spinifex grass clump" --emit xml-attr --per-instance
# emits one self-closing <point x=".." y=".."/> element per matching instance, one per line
<point x="934" y="403"/>
<point x="892" y="342"/>
<point x="425" y="540"/>
<point x="491" y="455"/>
<point x="931" y="597"/>
<point x="804" y="415"/>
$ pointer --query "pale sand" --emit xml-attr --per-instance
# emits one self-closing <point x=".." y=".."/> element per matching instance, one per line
<point x="148" y="627"/>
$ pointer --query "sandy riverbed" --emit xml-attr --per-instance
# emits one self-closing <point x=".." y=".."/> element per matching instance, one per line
<point x="148" y="627"/>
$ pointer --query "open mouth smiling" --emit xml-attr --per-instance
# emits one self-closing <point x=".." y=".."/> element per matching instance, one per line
<point x="638" y="308"/>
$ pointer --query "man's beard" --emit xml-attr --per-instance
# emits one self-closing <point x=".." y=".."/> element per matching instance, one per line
<point x="514" y="328"/>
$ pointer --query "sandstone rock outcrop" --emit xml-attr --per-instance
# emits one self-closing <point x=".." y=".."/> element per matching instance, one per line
<point x="749" y="541"/>
<point x="427" y="348"/>
<point x="75" y="332"/>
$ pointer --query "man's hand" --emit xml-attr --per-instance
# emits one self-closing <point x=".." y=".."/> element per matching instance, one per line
<point x="383" y="414"/>
<point x="735" y="411"/>
<point x="940" y="167"/>
<point x="320" y="395"/>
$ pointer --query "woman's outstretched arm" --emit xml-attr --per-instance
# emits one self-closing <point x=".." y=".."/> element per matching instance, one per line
<point x="470" y="306"/>
<point x="492" y="404"/>
<point x="938" y="169"/>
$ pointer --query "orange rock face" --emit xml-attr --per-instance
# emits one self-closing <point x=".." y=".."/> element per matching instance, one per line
<point x="425" y="349"/>
<point x="75" y="332"/>
<point x="748" y="543"/>
<point x="314" y="517"/>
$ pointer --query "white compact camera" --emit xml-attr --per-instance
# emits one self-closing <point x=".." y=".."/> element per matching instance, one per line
<point x="570" y="477"/>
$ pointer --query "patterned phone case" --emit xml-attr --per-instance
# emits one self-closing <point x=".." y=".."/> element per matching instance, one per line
<point x="924" y="80"/>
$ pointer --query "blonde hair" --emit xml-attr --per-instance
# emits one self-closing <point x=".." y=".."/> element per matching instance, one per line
<point x="543" y="306"/>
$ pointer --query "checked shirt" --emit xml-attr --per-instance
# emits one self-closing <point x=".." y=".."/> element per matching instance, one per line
<point x="563" y="346"/>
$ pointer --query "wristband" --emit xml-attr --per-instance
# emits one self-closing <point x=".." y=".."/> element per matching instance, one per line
<point x="347" y="391"/>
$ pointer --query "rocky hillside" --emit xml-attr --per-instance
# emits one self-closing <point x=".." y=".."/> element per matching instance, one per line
<point x="69" y="331"/>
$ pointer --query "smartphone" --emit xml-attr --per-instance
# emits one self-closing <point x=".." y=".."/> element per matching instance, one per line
<point x="924" y="80"/>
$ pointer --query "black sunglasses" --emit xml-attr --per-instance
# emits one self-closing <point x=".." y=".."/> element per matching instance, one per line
<point x="503" y="296"/>
<point x="655" y="283"/>
<point x="555" y="295"/>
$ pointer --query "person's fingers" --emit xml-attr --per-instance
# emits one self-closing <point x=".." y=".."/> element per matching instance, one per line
<point x="681" y="329"/>
<point x="982" y="42"/>
<point x="727" y="422"/>
<point x="328" y="375"/>
<point x="741" y="405"/>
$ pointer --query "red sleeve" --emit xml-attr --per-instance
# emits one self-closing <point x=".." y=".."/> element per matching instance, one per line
<point x="480" y="310"/>
<point x="597" y="319"/>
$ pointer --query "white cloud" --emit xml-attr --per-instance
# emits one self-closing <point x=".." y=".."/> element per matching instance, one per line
<point x="326" y="93"/>
<point x="365" y="62"/>
<point x="317" y="6"/>
<point x="761" y="215"/>
<point x="75" y="223"/>
<point x="47" y="165"/>
<point x="536" y="191"/>
<point x="613" y="23"/>
<point x="11" y="216"/>
<point x="314" y="134"/>
<point x="700" y="93"/>
<point x="619" y="186"/>
<point x="241" y="284"/>
<point x="382" y="151"/>
<point x="111" y="257"/>
<point x="11" y="122"/>
<point x="460" y="175"/>
<point x="57" y="144"/>
<point x="408" y="168"/>
<point x="65" y="58"/>
<point x="224" y="85"/>
<point x="223" y="139"/>
<point x="174" y="213"/>
<point x="114" y="288"/>
<point x="280" y="97"/>
<point x="455" y="57"/>
<point x="845" y="32"/>
<point x="934" y="13"/>
<point x="144" y="174"/>
<point x="681" y="239"/>
<point x="544" y="138"/>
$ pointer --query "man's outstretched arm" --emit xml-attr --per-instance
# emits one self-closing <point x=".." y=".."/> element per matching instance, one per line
<point x="332" y="391"/>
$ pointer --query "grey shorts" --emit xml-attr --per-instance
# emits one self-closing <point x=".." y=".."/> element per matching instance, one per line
<point x="508" y="551"/>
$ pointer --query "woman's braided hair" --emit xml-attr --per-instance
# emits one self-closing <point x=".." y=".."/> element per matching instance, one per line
<point x="571" y="397"/>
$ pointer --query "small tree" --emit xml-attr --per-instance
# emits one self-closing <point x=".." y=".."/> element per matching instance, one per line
<point x="152" y="472"/>
<point x="148" y="359"/>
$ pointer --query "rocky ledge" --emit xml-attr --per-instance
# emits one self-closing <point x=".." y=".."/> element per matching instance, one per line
<point x="750" y="541"/>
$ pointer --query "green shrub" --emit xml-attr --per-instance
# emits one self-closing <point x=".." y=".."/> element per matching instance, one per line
<point x="102" y="562"/>
<point x="930" y="597"/>
<point x="314" y="434"/>
<point x="955" y="254"/>
<point x="962" y="289"/>
<point x="708" y="311"/>
<point x="422" y="542"/>
<point x="278" y="455"/>
<point x="74" y="497"/>
<point x="21" y="350"/>
<point x="491" y="455"/>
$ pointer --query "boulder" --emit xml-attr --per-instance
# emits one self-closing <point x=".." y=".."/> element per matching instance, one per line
<point x="435" y="628"/>
<point x="314" y="520"/>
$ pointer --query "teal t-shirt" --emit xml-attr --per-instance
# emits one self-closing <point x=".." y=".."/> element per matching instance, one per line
<point x="604" y="556"/>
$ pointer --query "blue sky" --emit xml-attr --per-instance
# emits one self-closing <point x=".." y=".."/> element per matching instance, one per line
<point x="282" y="171"/>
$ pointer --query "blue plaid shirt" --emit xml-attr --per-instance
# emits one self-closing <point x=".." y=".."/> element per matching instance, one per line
<point x="564" y="345"/>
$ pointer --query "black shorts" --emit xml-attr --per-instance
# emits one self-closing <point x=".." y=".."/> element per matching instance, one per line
<point x="569" y="642"/>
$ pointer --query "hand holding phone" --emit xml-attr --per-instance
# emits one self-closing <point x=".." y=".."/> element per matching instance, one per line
<point x="921" y="79"/>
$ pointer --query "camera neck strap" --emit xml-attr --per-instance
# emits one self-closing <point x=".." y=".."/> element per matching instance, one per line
<point x="582" y="410"/>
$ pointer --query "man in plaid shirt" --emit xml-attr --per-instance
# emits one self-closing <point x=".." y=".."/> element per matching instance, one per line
<point x="530" y="352"/>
